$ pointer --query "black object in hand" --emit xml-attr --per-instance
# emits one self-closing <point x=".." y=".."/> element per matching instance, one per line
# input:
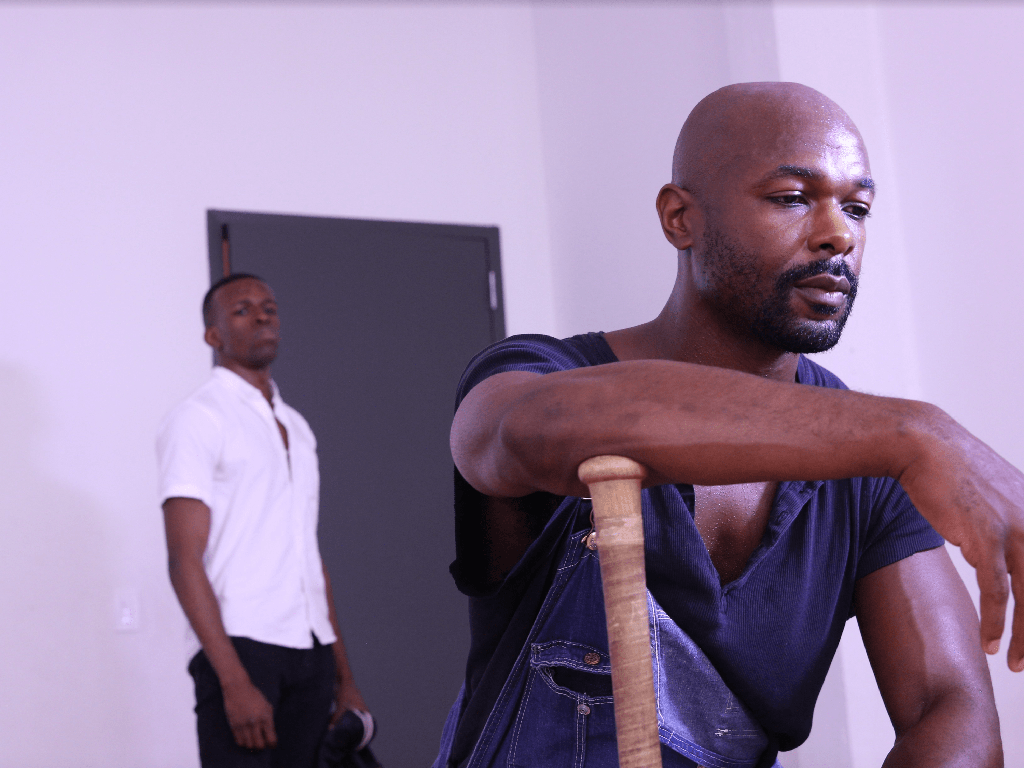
<point x="346" y="745"/>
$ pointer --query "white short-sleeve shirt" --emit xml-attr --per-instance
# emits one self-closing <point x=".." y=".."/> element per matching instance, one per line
<point x="222" y="446"/>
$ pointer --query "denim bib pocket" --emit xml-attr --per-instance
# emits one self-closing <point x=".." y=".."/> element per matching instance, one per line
<point x="566" y="708"/>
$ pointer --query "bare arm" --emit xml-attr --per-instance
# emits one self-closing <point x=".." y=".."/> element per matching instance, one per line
<point x="347" y="694"/>
<point x="919" y="629"/>
<point x="187" y="522"/>
<point x="517" y="433"/>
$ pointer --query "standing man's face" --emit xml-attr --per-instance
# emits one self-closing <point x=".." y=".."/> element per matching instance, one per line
<point x="246" y="328"/>
<point x="783" y="235"/>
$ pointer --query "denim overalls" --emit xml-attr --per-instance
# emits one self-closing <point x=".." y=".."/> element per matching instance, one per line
<point x="555" y="709"/>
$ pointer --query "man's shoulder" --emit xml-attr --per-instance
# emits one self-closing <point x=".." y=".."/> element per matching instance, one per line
<point x="205" y="405"/>
<point x="536" y="353"/>
<point x="582" y="349"/>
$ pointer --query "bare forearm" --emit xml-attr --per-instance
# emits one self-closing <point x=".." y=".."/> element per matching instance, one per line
<point x="344" y="671"/>
<point x="192" y="586"/>
<point x="517" y="433"/>
<point x="250" y="715"/>
<point x="692" y="424"/>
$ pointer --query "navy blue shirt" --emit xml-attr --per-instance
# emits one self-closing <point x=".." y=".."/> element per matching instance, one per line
<point x="771" y="633"/>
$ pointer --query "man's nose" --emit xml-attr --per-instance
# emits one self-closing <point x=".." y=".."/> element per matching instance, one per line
<point x="832" y="231"/>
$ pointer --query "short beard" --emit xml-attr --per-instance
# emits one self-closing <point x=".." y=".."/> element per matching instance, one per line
<point x="260" y="359"/>
<point x="769" y="317"/>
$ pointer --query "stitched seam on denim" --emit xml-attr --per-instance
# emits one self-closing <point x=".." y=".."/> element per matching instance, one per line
<point x="577" y="757"/>
<point x="572" y="552"/>
<point x="579" y="698"/>
<point x="700" y="754"/>
<point x="565" y="660"/>
<point x="543" y="665"/>
<point x="488" y="732"/>
<point x="517" y="728"/>
<point x="652" y="612"/>
<point x="668" y="736"/>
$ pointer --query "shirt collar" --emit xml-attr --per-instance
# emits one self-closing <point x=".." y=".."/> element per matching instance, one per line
<point x="237" y="384"/>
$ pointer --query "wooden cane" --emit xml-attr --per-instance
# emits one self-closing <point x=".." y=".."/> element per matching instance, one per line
<point x="614" y="484"/>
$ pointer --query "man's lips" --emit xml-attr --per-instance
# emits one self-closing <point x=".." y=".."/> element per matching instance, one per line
<point x="824" y="289"/>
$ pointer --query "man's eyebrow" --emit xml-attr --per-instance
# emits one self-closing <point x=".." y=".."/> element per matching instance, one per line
<point x="793" y="170"/>
<point x="865" y="182"/>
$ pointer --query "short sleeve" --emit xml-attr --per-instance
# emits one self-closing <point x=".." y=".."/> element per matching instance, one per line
<point x="187" y="448"/>
<point x="533" y="353"/>
<point x="896" y="529"/>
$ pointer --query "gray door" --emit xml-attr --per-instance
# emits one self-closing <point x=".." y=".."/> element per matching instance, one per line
<point x="378" y="321"/>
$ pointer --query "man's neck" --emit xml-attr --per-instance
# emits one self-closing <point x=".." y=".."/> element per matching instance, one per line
<point x="258" y="377"/>
<point x="681" y="336"/>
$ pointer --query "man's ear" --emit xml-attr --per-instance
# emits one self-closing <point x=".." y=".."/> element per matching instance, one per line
<point x="677" y="210"/>
<point x="212" y="337"/>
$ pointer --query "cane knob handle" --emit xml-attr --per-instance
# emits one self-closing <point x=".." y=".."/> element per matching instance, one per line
<point x="603" y="468"/>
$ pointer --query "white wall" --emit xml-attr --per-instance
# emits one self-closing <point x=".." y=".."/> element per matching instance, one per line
<point x="935" y="90"/>
<point x="120" y="124"/>
<point x="964" y="65"/>
<point x="613" y="96"/>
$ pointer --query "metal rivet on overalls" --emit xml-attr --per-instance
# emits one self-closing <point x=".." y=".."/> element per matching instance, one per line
<point x="592" y="659"/>
<point x="583" y="709"/>
<point x="592" y="540"/>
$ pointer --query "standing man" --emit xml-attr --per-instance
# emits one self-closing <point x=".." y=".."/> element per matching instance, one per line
<point x="241" y="491"/>
<point x="778" y="504"/>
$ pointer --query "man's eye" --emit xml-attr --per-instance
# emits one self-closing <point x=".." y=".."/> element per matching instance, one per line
<point x="241" y="311"/>
<point x="270" y="310"/>
<point x="858" y="212"/>
<point x="788" y="200"/>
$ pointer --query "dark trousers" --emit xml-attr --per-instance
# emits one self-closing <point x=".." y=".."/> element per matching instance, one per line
<point x="298" y="683"/>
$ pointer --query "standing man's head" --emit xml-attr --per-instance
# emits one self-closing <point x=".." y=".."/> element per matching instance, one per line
<point x="769" y="195"/>
<point x="242" y="324"/>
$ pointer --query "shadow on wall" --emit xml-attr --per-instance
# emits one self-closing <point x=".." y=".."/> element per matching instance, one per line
<point x="56" y="597"/>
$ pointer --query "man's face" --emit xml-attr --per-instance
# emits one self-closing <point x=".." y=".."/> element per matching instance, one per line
<point x="766" y="309"/>
<point x="246" y="328"/>
<point x="783" y="237"/>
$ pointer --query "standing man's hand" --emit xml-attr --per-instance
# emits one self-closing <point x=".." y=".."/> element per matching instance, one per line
<point x="250" y="715"/>
<point x="975" y="499"/>
<point x="347" y="697"/>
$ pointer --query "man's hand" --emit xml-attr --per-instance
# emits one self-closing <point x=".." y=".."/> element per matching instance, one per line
<point x="975" y="500"/>
<point x="250" y="715"/>
<point x="347" y="697"/>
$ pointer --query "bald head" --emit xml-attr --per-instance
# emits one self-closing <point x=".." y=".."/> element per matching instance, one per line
<point x="739" y="123"/>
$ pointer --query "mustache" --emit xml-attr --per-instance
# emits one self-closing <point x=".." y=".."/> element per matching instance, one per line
<point x="836" y="267"/>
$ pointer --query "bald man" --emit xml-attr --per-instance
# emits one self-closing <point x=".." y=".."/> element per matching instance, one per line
<point x="780" y="503"/>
